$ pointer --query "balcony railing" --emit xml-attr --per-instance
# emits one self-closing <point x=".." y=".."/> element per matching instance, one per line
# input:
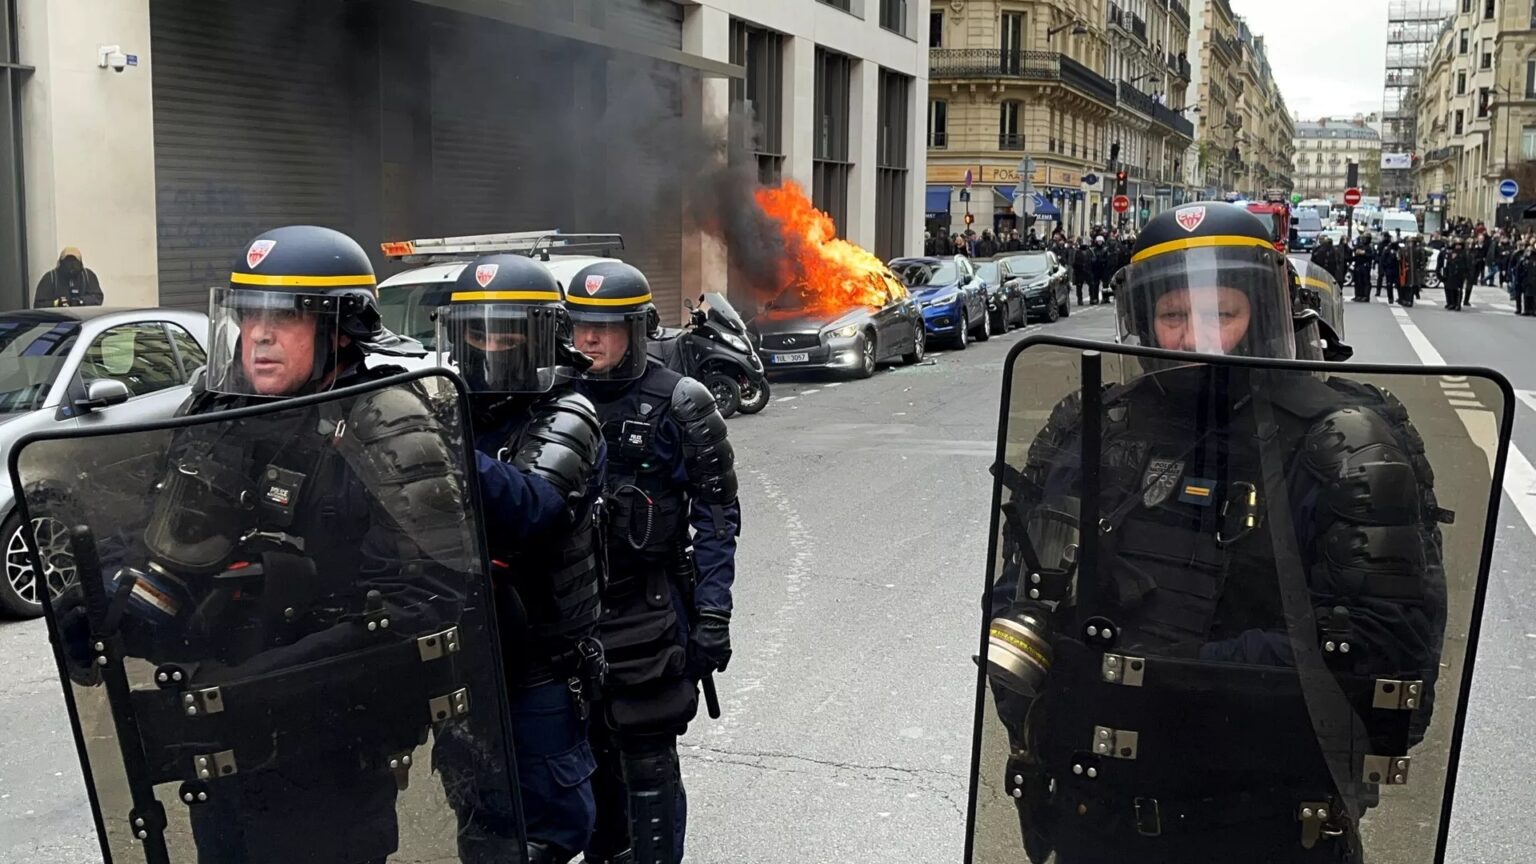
<point x="1136" y="100"/>
<point x="1179" y="65"/>
<point x="1115" y="15"/>
<point x="1138" y="26"/>
<point x="1440" y="154"/>
<point x="951" y="63"/>
<point x="1010" y="141"/>
<point x="938" y="140"/>
<point x="1173" y="120"/>
<point x="1179" y="12"/>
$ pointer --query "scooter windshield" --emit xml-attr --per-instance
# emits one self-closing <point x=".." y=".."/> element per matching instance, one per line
<point x="720" y="310"/>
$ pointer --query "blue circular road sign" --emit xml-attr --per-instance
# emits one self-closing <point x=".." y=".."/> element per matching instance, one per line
<point x="1509" y="188"/>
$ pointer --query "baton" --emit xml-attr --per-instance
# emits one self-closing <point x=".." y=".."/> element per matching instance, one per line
<point x="711" y="698"/>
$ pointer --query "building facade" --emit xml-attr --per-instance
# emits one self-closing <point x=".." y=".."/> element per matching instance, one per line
<point x="393" y="119"/>
<point x="1413" y="28"/>
<point x="1243" y="134"/>
<point x="1080" y="88"/>
<point x="1323" y="150"/>
<point x="1477" y="110"/>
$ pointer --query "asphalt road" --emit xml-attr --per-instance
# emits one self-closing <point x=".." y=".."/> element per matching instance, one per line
<point x="848" y="706"/>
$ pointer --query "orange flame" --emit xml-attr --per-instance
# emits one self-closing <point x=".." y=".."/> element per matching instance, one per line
<point x="833" y="274"/>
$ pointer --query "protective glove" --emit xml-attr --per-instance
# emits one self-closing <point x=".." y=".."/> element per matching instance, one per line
<point x="711" y="638"/>
<point x="74" y="628"/>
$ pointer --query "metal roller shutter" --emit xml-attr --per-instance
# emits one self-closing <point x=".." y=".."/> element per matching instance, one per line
<point x="251" y="130"/>
<point x="658" y="21"/>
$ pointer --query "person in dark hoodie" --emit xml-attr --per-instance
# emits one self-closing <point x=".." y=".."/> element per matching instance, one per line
<point x="68" y="283"/>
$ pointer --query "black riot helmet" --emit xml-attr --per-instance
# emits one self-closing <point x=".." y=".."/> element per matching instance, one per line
<point x="612" y="314"/>
<point x="1206" y="278"/>
<point x="298" y="283"/>
<point x="1317" y="306"/>
<point x="503" y="325"/>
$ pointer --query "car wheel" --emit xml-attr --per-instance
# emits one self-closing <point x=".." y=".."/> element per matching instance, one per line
<point x="19" y="590"/>
<point x="1023" y="315"/>
<point x="962" y="337"/>
<point x="984" y="330"/>
<point x="919" y="348"/>
<point x="867" y="355"/>
<point x="1066" y="307"/>
<point x="1052" y="314"/>
<point x="726" y="391"/>
<point x="999" y="320"/>
<point x="754" y="396"/>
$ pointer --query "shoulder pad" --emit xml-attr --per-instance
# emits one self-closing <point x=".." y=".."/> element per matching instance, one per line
<point x="691" y="400"/>
<point x="561" y="443"/>
<point x="392" y="411"/>
<point x="659" y="383"/>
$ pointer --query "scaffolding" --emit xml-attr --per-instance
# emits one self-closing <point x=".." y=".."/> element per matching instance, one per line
<point x="1413" y="28"/>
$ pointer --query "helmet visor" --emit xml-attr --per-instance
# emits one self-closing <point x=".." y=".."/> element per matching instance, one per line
<point x="616" y="342"/>
<point x="500" y="347"/>
<point x="1214" y="300"/>
<point x="271" y="343"/>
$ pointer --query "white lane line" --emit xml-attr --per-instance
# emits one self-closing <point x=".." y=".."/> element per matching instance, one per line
<point x="1528" y="397"/>
<point x="810" y="391"/>
<point x="785" y="399"/>
<point x="835" y="384"/>
<point x="1519" y="474"/>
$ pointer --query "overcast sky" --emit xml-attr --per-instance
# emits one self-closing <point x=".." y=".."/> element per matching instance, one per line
<point x="1328" y="56"/>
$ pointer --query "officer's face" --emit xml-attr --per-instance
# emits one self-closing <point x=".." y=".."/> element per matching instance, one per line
<point x="1181" y="327"/>
<point x="277" y="351"/>
<point x="606" y="344"/>
<point x="476" y="336"/>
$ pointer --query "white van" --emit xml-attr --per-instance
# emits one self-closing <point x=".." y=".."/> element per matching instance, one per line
<point x="1396" y="221"/>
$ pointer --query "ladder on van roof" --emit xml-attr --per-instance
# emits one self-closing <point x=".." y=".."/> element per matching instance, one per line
<point x="534" y="244"/>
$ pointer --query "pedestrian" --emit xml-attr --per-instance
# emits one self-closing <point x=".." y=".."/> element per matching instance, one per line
<point x="540" y="443"/>
<point x="1082" y="267"/>
<point x="1361" y="263"/>
<point x="673" y="517"/>
<point x="319" y="517"/>
<point x="1453" y="271"/>
<point x="1526" y="276"/>
<point x="1206" y="438"/>
<point x="987" y="247"/>
<point x="69" y="283"/>
<point x="1417" y="260"/>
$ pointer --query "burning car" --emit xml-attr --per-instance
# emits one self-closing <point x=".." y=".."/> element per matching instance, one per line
<point x="799" y="329"/>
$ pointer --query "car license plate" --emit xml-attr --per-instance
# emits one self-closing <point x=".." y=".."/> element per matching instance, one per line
<point x="800" y="357"/>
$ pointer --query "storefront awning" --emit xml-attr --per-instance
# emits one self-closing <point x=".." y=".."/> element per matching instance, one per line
<point x="938" y="199"/>
<point x="1044" y="209"/>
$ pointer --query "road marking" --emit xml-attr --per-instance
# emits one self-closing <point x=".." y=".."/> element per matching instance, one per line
<point x="810" y="391"/>
<point x="835" y="384"/>
<point x="1519" y="474"/>
<point x="785" y="399"/>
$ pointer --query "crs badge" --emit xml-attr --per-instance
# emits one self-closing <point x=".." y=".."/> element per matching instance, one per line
<point x="1158" y="482"/>
<point x="258" y="252"/>
<point x="1189" y="218"/>
<point x="485" y="273"/>
<point x="594" y="283"/>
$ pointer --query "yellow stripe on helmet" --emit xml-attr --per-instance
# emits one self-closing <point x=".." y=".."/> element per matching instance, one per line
<point x="605" y="301"/>
<point x="1316" y="283"/>
<point x="1200" y="242"/>
<point x="482" y="296"/>
<point x="360" y="280"/>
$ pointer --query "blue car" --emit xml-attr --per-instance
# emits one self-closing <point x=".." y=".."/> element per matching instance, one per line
<point x="953" y="299"/>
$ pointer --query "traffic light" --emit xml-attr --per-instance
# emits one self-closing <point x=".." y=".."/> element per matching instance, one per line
<point x="969" y="219"/>
<point x="1120" y="183"/>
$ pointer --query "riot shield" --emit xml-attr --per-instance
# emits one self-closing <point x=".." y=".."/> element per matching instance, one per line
<point x="1231" y="607"/>
<point x="281" y="646"/>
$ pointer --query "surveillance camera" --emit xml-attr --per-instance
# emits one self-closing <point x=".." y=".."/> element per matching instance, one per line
<point x="112" y="56"/>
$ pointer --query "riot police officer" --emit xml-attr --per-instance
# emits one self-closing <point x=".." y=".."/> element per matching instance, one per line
<point x="1226" y="574"/>
<point x="539" y="458"/>
<point x="670" y="497"/>
<point x="289" y="566"/>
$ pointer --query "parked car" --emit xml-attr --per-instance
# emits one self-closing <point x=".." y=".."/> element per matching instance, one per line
<point x="1045" y="283"/>
<point x="1005" y="300"/>
<point x="82" y="367"/>
<point x="795" y="331"/>
<point x="952" y="298"/>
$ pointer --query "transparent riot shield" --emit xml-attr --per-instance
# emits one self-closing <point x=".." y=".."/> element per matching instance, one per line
<point x="1231" y="608"/>
<point x="281" y="644"/>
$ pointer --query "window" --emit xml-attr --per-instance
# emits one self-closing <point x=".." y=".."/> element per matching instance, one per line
<point x="761" y="93"/>
<point x="938" y="124"/>
<point x="893" y="15"/>
<point x="1462" y="41"/>
<point x="1008" y="135"/>
<point x="1530" y="77"/>
<point x="1487" y="55"/>
<point x="1528" y="143"/>
<point x="892" y="159"/>
<point x="1012" y="42"/>
<point x="139" y="355"/>
<point x="845" y="5"/>
<point x="1466" y="5"/>
<point x="1488" y="9"/>
<point x="191" y="353"/>
<point x="935" y="29"/>
<point x="1461" y="83"/>
<point x="1459" y="115"/>
<point x="831" y="166"/>
<point x="1484" y="96"/>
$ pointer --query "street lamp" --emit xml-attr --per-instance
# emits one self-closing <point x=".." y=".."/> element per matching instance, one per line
<point x="1078" y="29"/>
